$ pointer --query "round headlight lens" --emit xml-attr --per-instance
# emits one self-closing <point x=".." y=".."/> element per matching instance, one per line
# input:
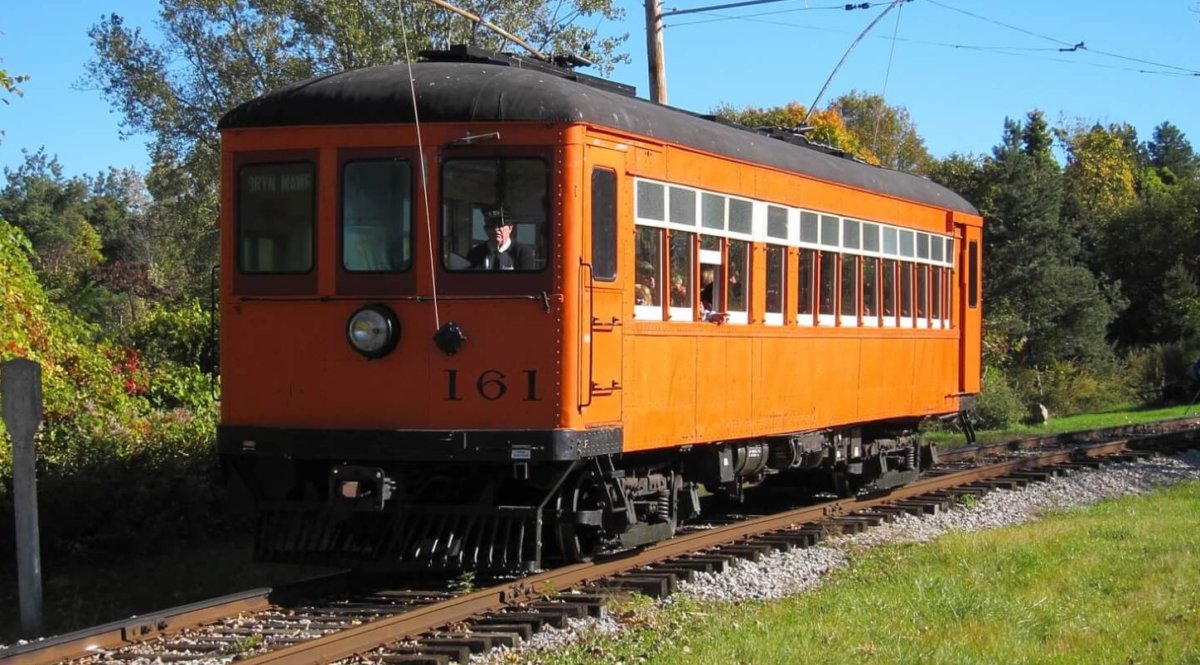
<point x="373" y="331"/>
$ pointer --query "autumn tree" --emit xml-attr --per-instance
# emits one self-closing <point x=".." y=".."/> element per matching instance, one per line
<point x="1101" y="171"/>
<point x="886" y="131"/>
<point x="824" y="127"/>
<point x="213" y="55"/>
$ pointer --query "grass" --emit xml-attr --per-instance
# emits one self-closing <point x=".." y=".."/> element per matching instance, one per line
<point x="1118" y="582"/>
<point x="1113" y="418"/>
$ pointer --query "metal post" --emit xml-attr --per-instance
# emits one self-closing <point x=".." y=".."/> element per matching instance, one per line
<point x="21" y="390"/>
<point x="655" y="58"/>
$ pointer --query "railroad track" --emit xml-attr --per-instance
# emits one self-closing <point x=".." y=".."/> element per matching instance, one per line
<point x="340" y="616"/>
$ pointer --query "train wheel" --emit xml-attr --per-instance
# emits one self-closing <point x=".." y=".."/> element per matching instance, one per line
<point x="579" y="527"/>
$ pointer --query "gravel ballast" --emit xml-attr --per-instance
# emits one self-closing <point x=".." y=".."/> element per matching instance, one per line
<point x="784" y="574"/>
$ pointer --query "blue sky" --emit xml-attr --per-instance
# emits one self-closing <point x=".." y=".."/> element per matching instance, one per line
<point x="960" y="67"/>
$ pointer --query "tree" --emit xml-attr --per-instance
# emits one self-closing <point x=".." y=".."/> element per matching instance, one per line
<point x="1101" y="171"/>
<point x="1055" y="309"/>
<point x="1172" y="154"/>
<point x="886" y="130"/>
<point x="215" y="54"/>
<point x="9" y="83"/>
<point x="824" y="127"/>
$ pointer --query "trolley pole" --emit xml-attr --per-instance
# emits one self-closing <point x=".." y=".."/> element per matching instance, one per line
<point x="655" y="59"/>
<point x="21" y="391"/>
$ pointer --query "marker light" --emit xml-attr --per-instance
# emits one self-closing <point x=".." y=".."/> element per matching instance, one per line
<point x="373" y="331"/>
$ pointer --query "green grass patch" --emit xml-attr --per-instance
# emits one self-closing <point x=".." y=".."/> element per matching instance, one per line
<point x="1113" y="418"/>
<point x="1118" y="582"/>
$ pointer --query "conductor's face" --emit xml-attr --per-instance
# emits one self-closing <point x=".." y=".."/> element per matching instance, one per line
<point x="498" y="233"/>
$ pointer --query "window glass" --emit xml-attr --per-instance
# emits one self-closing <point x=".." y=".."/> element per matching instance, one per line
<point x="891" y="241"/>
<point x="922" y="245"/>
<point x="712" y="211"/>
<point x="738" y="274"/>
<point x="741" y="215"/>
<point x="377" y="216"/>
<point x="681" y="268"/>
<point x="973" y="274"/>
<point x="604" y="224"/>
<point x="870" y="287"/>
<point x="481" y="197"/>
<point x="950" y="250"/>
<point x="683" y="206"/>
<point x="935" y="249"/>
<point x="775" y="278"/>
<point x="648" y="290"/>
<point x="808" y="272"/>
<point x="809" y="228"/>
<point x="889" y="288"/>
<point x="906" y="294"/>
<point x="276" y="218"/>
<point x="650" y="200"/>
<point x="850" y="233"/>
<point x="828" y="279"/>
<point x="849" y="285"/>
<point x="935" y="297"/>
<point x="870" y="237"/>
<point x="710" y="243"/>
<point x="906" y="244"/>
<point x="922" y="293"/>
<point x="777" y="222"/>
<point x="829" y="230"/>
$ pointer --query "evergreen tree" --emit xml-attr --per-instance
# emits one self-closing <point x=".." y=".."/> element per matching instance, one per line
<point x="1172" y="154"/>
<point x="1056" y="309"/>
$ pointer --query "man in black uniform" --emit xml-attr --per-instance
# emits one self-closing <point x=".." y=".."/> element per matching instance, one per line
<point x="500" y="252"/>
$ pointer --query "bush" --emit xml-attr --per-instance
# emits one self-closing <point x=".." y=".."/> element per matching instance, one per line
<point x="998" y="406"/>
<point x="1158" y="374"/>
<point x="127" y="436"/>
<point x="1067" y="389"/>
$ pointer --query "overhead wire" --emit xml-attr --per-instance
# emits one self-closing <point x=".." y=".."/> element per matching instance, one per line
<point x="1016" y="51"/>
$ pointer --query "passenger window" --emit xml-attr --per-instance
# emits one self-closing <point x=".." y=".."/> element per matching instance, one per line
<point x="482" y="196"/>
<point x="828" y="283"/>
<point x="276" y="218"/>
<point x="738" y="273"/>
<point x="808" y="265"/>
<point x="648" y="289"/>
<point x="377" y="216"/>
<point x="604" y="224"/>
<point x="935" y="297"/>
<point x="776" y="278"/>
<point x="870" y="287"/>
<point x="889" y="291"/>
<point x="922" y="291"/>
<point x="906" y="291"/>
<point x="681" y="273"/>
<point x="849" y="306"/>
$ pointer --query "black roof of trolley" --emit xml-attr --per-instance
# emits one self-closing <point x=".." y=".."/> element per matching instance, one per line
<point x="471" y="85"/>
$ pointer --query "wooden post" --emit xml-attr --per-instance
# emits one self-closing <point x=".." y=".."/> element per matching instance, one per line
<point x="21" y="390"/>
<point x="655" y="58"/>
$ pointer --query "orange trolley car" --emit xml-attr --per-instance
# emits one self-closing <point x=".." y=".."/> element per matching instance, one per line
<point x="706" y="306"/>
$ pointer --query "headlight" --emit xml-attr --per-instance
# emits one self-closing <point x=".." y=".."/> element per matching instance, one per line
<point x="373" y="331"/>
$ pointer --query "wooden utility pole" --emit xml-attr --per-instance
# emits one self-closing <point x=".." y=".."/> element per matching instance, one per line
<point x="654" y="52"/>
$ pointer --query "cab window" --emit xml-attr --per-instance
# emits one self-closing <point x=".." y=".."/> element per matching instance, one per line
<point x="376" y="216"/>
<point x="275" y="218"/>
<point x="480" y="195"/>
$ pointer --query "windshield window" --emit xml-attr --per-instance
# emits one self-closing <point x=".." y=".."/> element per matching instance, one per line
<point x="494" y="214"/>
<point x="275" y="218"/>
<point x="376" y="216"/>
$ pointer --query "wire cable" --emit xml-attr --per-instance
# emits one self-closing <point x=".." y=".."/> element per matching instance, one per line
<point x="429" y="228"/>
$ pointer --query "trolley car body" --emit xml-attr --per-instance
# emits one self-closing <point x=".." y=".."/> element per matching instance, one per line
<point x="588" y="398"/>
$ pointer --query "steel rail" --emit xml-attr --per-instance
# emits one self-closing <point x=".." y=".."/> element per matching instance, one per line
<point x="361" y="639"/>
<point x="421" y="620"/>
